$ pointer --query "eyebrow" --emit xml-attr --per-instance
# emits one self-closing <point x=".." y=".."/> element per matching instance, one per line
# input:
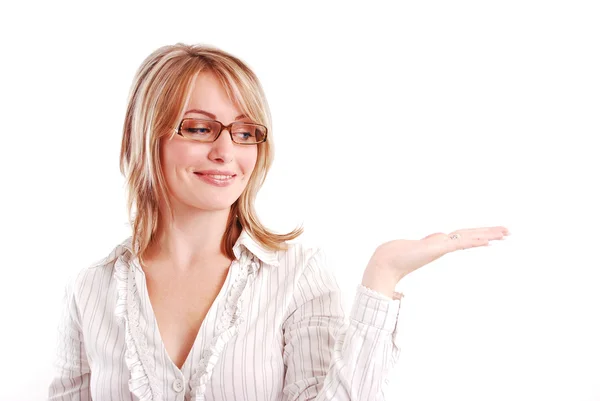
<point x="211" y="115"/>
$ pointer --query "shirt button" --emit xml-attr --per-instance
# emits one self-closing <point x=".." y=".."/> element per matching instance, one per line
<point x="178" y="386"/>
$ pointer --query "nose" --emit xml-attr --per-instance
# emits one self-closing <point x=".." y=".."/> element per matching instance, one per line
<point x="222" y="149"/>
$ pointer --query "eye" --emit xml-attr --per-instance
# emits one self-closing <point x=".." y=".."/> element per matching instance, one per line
<point x="245" y="132"/>
<point x="197" y="128"/>
<point x="244" y="135"/>
<point x="201" y="130"/>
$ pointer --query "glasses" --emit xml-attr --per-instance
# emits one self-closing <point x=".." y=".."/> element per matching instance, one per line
<point x="241" y="133"/>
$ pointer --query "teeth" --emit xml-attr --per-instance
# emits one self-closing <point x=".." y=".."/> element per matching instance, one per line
<point x="220" y="177"/>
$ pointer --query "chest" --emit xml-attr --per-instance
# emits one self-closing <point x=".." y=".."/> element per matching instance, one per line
<point x="180" y="305"/>
<point x="179" y="319"/>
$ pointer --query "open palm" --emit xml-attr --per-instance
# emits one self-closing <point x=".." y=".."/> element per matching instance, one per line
<point x="395" y="259"/>
<point x="400" y="257"/>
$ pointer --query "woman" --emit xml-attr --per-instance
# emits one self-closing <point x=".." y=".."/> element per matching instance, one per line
<point x="203" y="302"/>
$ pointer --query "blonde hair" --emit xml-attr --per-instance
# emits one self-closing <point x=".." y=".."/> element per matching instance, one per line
<point x="158" y="96"/>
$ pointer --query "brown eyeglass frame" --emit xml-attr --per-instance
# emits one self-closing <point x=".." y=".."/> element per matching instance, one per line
<point x="227" y="127"/>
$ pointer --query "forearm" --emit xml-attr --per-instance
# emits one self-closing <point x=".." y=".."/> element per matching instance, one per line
<point x="364" y="353"/>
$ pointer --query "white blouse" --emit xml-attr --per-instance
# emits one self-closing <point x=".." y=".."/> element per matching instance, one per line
<point x="276" y="331"/>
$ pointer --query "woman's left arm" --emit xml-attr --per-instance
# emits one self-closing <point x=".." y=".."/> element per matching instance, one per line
<point x="327" y="359"/>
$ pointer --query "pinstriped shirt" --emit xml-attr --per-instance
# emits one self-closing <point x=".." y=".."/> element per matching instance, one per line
<point x="276" y="331"/>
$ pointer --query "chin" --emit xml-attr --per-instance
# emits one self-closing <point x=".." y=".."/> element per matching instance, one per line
<point x="214" y="204"/>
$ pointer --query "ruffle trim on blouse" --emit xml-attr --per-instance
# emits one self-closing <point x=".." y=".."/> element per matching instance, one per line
<point x="143" y="382"/>
<point x="227" y="327"/>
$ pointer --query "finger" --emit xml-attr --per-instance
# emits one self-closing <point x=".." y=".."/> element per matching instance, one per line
<point x="453" y="242"/>
<point x="479" y="236"/>
<point x="496" y="229"/>
<point x="465" y="238"/>
<point x="456" y="240"/>
<point x="466" y="243"/>
<point x="489" y="234"/>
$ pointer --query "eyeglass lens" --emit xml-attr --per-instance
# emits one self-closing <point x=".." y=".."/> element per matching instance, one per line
<point x="206" y="131"/>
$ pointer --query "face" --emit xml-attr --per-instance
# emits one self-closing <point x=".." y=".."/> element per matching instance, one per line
<point x="188" y="165"/>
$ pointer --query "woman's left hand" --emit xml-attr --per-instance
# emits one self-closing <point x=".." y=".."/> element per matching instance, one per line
<point x="393" y="260"/>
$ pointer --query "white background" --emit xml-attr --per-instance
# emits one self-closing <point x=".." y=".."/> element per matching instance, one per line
<point x="474" y="113"/>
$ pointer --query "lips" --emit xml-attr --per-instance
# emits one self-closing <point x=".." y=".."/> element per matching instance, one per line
<point x="216" y="172"/>
<point x="219" y="180"/>
<point x="218" y="176"/>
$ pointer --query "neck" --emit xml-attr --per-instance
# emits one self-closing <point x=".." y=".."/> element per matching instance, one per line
<point x="189" y="240"/>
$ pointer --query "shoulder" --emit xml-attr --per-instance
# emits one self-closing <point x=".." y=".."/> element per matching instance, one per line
<point x="309" y="276"/>
<point x="303" y="256"/>
<point x="96" y="276"/>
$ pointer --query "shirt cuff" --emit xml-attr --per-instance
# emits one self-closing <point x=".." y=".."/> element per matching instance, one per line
<point x="375" y="309"/>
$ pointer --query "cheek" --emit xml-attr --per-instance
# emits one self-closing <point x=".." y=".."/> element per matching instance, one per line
<point x="175" y="156"/>
<point x="247" y="162"/>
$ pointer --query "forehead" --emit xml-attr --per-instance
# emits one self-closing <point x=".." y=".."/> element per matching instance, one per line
<point x="207" y="93"/>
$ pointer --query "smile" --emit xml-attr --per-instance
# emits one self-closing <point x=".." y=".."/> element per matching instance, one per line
<point x="219" y="177"/>
<point x="218" y="180"/>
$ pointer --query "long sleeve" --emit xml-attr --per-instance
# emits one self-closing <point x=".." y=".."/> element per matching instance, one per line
<point x="71" y="370"/>
<point x="328" y="359"/>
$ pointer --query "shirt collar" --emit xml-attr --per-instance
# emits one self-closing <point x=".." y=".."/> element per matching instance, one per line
<point x="265" y="255"/>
